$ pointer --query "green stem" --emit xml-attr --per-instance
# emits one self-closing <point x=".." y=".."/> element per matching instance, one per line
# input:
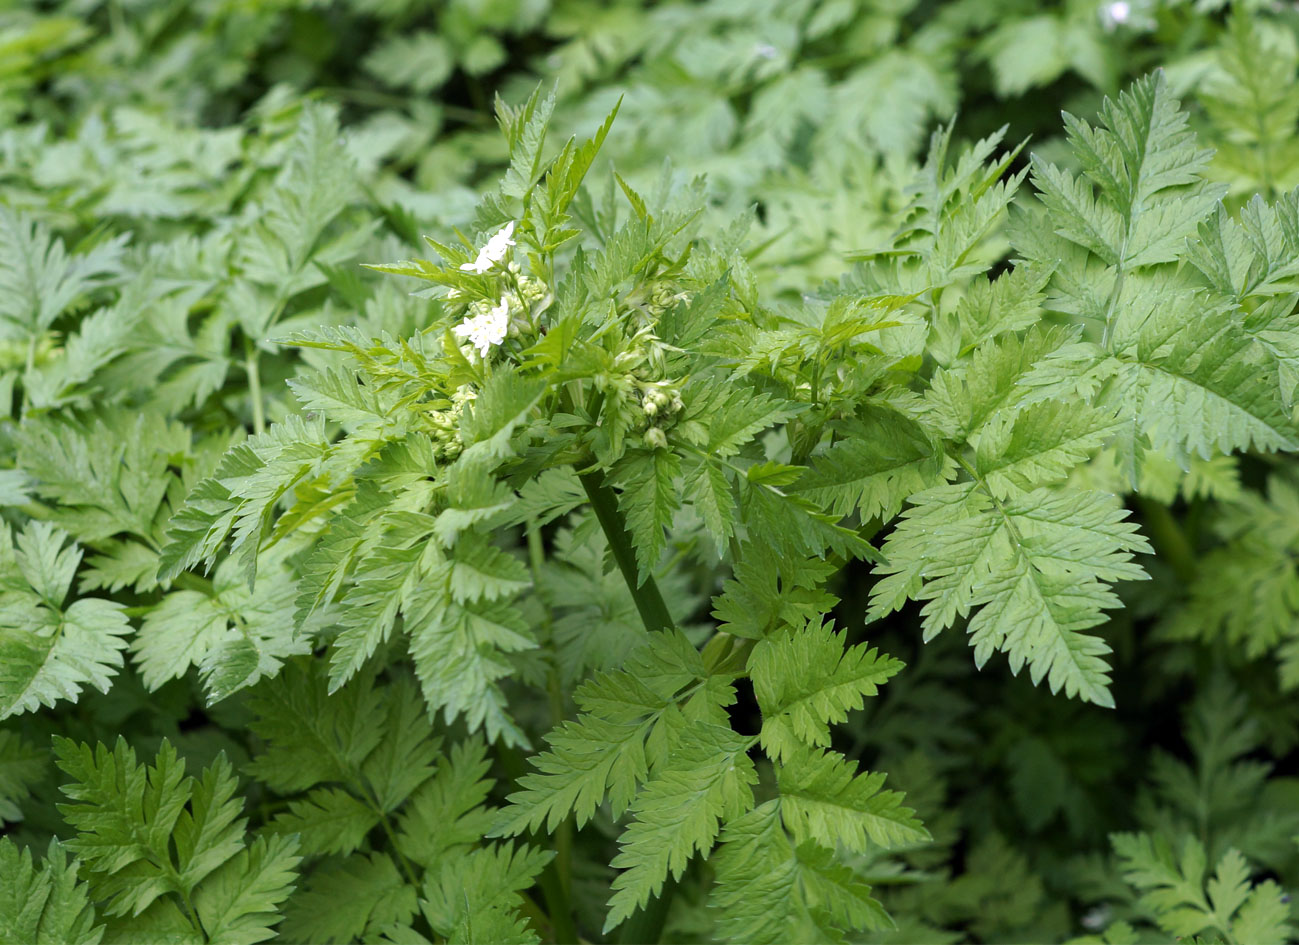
<point x="644" y="925"/>
<point x="31" y="366"/>
<point x="555" y="884"/>
<point x="653" y="612"/>
<point x="1011" y="529"/>
<point x="192" y="915"/>
<point x="560" y="917"/>
<point x="254" y="385"/>
<point x="534" y="913"/>
<point x="1171" y="543"/>
<point x="403" y="863"/>
<point x="194" y="582"/>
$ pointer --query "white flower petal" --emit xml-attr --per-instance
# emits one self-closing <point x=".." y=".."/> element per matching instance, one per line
<point x="488" y="329"/>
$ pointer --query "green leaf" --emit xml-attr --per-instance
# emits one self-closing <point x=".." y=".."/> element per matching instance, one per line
<point x="706" y="780"/>
<point x="234" y="635"/>
<point x="488" y="424"/>
<point x="710" y="493"/>
<point x="22" y="765"/>
<point x="721" y="418"/>
<point x="880" y="458"/>
<point x="768" y="891"/>
<point x="1181" y="372"/>
<point x="797" y="525"/>
<point x="48" y="651"/>
<point x="316" y="182"/>
<point x="241" y="497"/>
<point x="770" y="589"/>
<point x="1039" y="445"/>
<point x="313" y="736"/>
<point x="459" y="653"/>
<point x="476" y="899"/>
<point x="148" y="834"/>
<point x="239" y="903"/>
<point x="1251" y="102"/>
<point x="39" y="279"/>
<point x="1031" y="569"/>
<point x="824" y="800"/>
<point x="349" y="898"/>
<point x="328" y="820"/>
<point x="805" y="681"/>
<point x="107" y="475"/>
<point x="648" y="500"/>
<point x="447" y="816"/>
<point x="45" y="905"/>
<point x="623" y="730"/>
<point x="1172" y="885"/>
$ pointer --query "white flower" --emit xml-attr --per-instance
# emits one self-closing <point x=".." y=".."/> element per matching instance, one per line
<point x="494" y="251"/>
<point x="1116" y="13"/>
<point x="487" y="329"/>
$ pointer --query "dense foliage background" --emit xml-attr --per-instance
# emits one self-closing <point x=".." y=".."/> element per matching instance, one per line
<point x="186" y="184"/>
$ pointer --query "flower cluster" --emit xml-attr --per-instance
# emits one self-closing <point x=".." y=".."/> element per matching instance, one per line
<point x="486" y="323"/>
<point x="660" y="402"/>
<point x="487" y="328"/>
<point x="496" y="249"/>
<point x="445" y="424"/>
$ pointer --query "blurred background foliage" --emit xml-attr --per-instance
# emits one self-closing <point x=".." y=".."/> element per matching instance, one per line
<point x="145" y="144"/>
<point x="814" y="110"/>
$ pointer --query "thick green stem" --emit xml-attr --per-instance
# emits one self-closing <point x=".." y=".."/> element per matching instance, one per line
<point x="653" y="612"/>
<point x="645" y="925"/>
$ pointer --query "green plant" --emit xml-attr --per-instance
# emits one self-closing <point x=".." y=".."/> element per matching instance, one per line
<point x="545" y="590"/>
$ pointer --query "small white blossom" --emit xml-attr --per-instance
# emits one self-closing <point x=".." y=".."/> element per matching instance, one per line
<point x="487" y="329"/>
<point x="494" y="251"/>
<point x="1116" y="13"/>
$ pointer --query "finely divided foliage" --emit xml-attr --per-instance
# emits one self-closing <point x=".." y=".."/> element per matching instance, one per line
<point x="591" y="370"/>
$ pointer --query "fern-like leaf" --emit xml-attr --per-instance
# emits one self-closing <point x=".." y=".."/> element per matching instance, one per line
<point x="1031" y="569"/>
<point x="45" y="904"/>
